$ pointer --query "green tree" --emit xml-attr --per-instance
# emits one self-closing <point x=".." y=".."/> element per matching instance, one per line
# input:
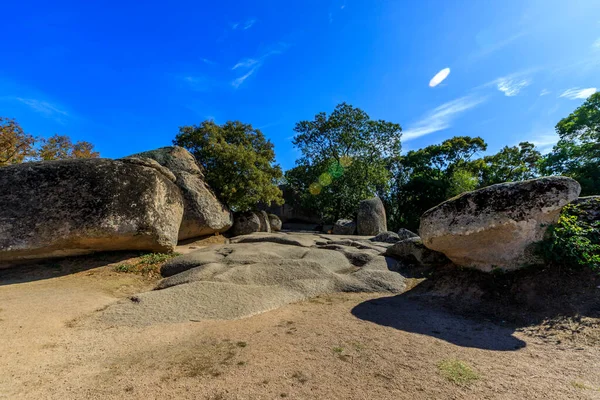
<point x="60" y="147"/>
<point x="238" y="162"/>
<point x="16" y="146"/>
<point x="577" y="153"/>
<point x="346" y="157"/>
<point x="510" y="164"/>
<point x="429" y="176"/>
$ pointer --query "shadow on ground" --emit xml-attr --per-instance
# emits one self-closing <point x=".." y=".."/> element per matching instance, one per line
<point x="32" y="271"/>
<point x="410" y="315"/>
<point x="475" y="309"/>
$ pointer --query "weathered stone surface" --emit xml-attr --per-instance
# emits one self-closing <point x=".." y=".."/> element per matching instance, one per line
<point x="386" y="237"/>
<point x="203" y="213"/>
<point x="263" y="218"/>
<point x="497" y="226"/>
<point x="72" y="207"/>
<point x="371" y="219"/>
<point x="412" y="250"/>
<point x="241" y="279"/>
<point x="274" y="222"/>
<point x="245" y="223"/>
<point x="344" y="227"/>
<point x="589" y="207"/>
<point x="406" y="234"/>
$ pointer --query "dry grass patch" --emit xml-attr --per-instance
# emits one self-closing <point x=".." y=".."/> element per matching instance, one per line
<point x="458" y="372"/>
<point x="147" y="264"/>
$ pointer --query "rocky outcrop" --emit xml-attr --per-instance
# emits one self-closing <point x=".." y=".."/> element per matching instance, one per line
<point x="344" y="227"/>
<point x="386" y="237"/>
<point x="203" y="213"/>
<point x="263" y="218"/>
<point x="406" y="234"/>
<point x="245" y="223"/>
<point x="588" y="208"/>
<point x="497" y="226"/>
<point x="244" y="278"/>
<point x="412" y="251"/>
<point x="371" y="219"/>
<point x="72" y="207"/>
<point x="274" y="222"/>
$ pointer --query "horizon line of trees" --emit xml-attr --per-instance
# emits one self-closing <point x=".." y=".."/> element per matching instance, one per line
<point x="347" y="157"/>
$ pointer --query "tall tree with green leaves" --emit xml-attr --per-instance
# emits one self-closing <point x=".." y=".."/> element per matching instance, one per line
<point x="577" y="153"/>
<point x="429" y="176"/>
<point x="346" y="157"/>
<point x="510" y="164"/>
<point x="238" y="162"/>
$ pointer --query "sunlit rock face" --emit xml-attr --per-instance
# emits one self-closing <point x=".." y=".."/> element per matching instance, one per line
<point x="203" y="213"/>
<point x="72" y="207"/>
<point x="497" y="226"/>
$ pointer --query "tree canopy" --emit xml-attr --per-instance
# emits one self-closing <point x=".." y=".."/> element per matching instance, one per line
<point x="16" y="146"/>
<point x="346" y="157"/>
<point x="428" y="176"/>
<point x="577" y="153"/>
<point x="238" y="161"/>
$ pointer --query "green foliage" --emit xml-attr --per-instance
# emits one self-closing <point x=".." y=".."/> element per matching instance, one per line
<point x="510" y="164"/>
<point x="238" y="162"/>
<point x="346" y="157"/>
<point x="574" y="241"/>
<point x="147" y="264"/>
<point x="429" y="176"/>
<point x="458" y="372"/>
<point x="577" y="153"/>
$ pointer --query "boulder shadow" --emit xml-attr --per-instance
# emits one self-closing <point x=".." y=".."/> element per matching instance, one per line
<point x="410" y="315"/>
<point x="35" y="270"/>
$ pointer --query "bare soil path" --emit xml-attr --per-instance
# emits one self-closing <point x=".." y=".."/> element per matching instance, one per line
<point x="346" y="346"/>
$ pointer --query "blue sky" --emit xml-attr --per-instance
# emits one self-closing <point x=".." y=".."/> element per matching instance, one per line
<point x="125" y="75"/>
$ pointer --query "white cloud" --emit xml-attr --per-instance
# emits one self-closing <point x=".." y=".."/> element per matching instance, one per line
<point x="42" y="107"/>
<point x="248" y="24"/>
<point x="511" y="86"/>
<point x="245" y="63"/>
<point x="577" y="93"/>
<point x="545" y="92"/>
<point x="237" y="82"/>
<point x="207" y="61"/>
<point x="441" y="117"/>
<point x="596" y="44"/>
<point x="439" y="77"/>
<point x="255" y="63"/>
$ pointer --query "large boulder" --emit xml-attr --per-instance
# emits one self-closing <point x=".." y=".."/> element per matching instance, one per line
<point x="245" y="223"/>
<point x="72" y="207"/>
<point x="274" y="222"/>
<point x="263" y="217"/>
<point x="371" y="220"/>
<point x="497" y="226"/>
<point x="412" y="251"/>
<point x="203" y="213"/>
<point x="344" y="227"/>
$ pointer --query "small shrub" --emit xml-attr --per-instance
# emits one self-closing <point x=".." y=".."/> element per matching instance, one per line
<point x="147" y="264"/>
<point x="573" y="240"/>
<point x="458" y="372"/>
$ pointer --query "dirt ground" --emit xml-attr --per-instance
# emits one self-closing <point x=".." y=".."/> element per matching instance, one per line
<point x="344" y="346"/>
